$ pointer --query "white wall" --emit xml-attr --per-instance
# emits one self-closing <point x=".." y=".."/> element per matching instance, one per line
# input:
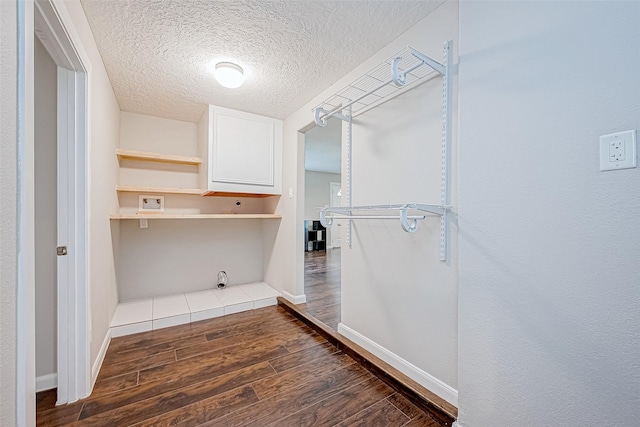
<point x="316" y="192"/>
<point x="8" y="208"/>
<point x="158" y="135"/>
<point x="549" y="245"/>
<point x="104" y="127"/>
<point x="172" y="257"/>
<point x="411" y="306"/>
<point x="395" y="290"/>
<point x="45" y="203"/>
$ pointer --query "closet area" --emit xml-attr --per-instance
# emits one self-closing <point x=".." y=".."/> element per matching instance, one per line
<point x="398" y="211"/>
<point x="195" y="199"/>
<point x="403" y="71"/>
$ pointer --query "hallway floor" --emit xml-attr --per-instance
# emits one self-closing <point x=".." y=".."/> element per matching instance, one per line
<point x="258" y="368"/>
<point x="322" y="286"/>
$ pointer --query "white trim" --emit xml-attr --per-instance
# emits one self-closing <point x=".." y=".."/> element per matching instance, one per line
<point x="296" y="299"/>
<point x="46" y="382"/>
<point x="59" y="36"/>
<point x="60" y="28"/>
<point x="334" y="231"/>
<point x="95" y="370"/>
<point x="64" y="263"/>
<point x="426" y="380"/>
<point x="25" y="250"/>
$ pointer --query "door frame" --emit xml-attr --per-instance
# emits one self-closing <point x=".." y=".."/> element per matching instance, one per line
<point x="53" y="26"/>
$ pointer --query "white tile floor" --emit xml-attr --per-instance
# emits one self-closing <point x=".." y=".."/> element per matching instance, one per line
<point x="132" y="317"/>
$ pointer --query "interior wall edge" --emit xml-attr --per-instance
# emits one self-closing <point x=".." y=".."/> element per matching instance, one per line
<point x="295" y="299"/>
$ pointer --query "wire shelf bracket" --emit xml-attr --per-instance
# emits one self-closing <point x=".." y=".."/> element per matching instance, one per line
<point x="408" y="68"/>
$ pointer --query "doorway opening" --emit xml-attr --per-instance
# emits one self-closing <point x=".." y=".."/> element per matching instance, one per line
<point x="322" y="256"/>
<point x="71" y="355"/>
<point x="46" y="216"/>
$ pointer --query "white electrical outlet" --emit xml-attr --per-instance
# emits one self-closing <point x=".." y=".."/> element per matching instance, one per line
<point x="618" y="151"/>
<point x="144" y="223"/>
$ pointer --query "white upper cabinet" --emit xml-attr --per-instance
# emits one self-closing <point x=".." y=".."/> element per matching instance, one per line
<point x="242" y="151"/>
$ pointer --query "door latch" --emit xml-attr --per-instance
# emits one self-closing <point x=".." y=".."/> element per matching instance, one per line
<point x="61" y="250"/>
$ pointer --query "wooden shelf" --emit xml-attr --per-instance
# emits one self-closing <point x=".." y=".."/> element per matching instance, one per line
<point x="157" y="190"/>
<point x="226" y="194"/>
<point x="197" y="216"/>
<point x="156" y="157"/>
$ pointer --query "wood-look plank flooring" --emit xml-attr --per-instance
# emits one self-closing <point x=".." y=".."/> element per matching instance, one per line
<point x="322" y="286"/>
<point x="258" y="368"/>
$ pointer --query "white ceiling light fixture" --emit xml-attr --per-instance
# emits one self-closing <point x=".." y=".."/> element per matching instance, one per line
<point x="229" y="75"/>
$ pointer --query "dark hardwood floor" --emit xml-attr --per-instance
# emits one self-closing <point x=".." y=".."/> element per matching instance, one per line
<point x="322" y="286"/>
<point x="258" y="368"/>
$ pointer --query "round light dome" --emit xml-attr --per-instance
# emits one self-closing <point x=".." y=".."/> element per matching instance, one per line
<point x="229" y="74"/>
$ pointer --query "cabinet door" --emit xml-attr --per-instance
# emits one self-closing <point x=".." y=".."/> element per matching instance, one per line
<point x="243" y="149"/>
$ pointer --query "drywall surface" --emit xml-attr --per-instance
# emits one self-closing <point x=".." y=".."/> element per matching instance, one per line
<point x="177" y="256"/>
<point x="147" y="133"/>
<point x="104" y="128"/>
<point x="317" y="192"/>
<point x="395" y="290"/>
<point x="549" y="300"/>
<point x="284" y="241"/>
<point x="8" y="209"/>
<point x="46" y="203"/>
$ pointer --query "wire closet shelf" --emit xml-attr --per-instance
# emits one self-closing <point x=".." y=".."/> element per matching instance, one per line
<point x="403" y="71"/>
<point x="408" y="68"/>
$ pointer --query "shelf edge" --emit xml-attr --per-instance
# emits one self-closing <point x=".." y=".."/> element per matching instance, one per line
<point x="157" y="190"/>
<point x="196" y="216"/>
<point x="157" y="157"/>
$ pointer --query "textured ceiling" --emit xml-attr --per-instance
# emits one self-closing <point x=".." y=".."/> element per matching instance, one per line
<point x="158" y="53"/>
<point x="323" y="147"/>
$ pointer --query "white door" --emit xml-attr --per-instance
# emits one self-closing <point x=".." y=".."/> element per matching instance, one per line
<point x="52" y="23"/>
<point x="336" y="200"/>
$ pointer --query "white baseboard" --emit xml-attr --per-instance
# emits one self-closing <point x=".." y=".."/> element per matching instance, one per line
<point x="95" y="370"/>
<point x="426" y="380"/>
<point x="296" y="299"/>
<point x="46" y="382"/>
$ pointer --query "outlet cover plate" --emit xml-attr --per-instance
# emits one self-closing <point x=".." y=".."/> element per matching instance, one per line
<point x="618" y="151"/>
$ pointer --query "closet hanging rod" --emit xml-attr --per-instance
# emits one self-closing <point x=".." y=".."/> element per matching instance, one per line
<point x="337" y="215"/>
<point x="434" y="209"/>
<point x="408" y="222"/>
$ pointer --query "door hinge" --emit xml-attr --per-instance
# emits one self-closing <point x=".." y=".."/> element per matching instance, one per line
<point x="61" y="250"/>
